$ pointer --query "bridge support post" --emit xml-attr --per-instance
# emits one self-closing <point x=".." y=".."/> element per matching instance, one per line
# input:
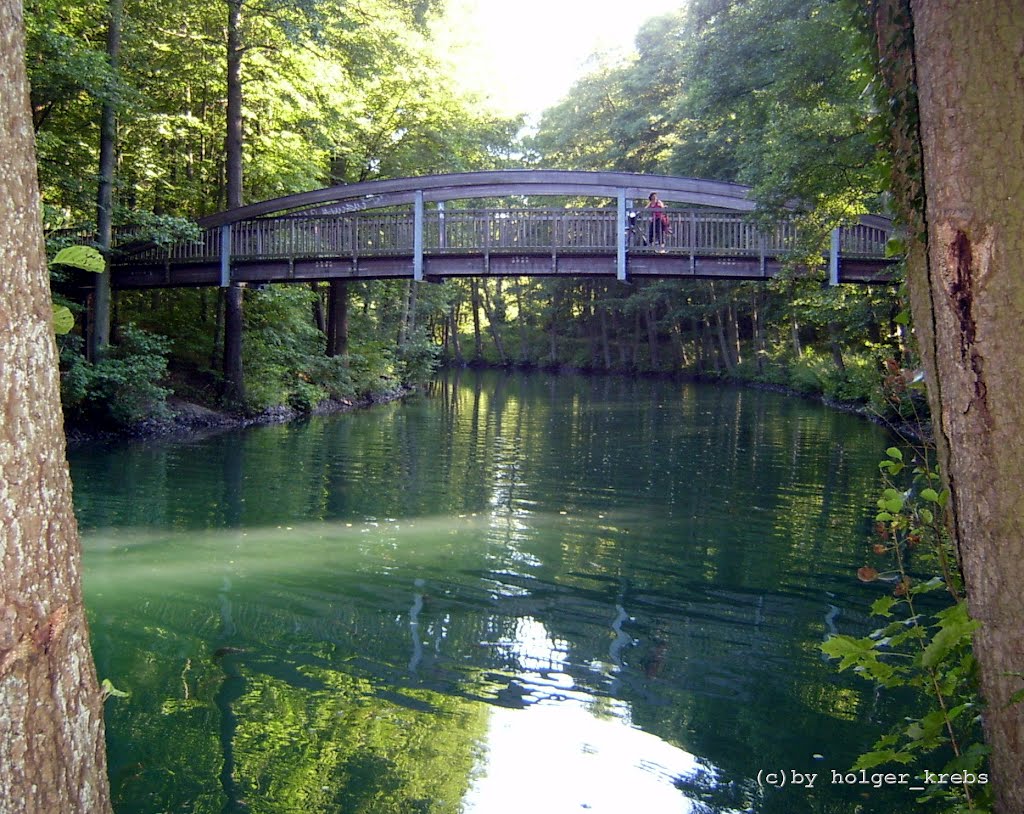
<point x="620" y="238"/>
<point x="833" y="258"/>
<point x="225" y="255"/>
<point x="417" y="237"/>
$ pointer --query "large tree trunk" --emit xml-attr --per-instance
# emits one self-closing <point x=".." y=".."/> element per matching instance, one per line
<point x="99" y="335"/>
<point x="234" y="374"/>
<point x="51" y="750"/>
<point x="967" y="297"/>
<point x="337" y="318"/>
<point x="478" y="341"/>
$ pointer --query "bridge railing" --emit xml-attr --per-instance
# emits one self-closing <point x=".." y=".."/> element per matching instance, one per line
<point x="465" y="231"/>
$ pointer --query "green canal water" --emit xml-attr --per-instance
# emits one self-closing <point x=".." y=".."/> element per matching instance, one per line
<point x="519" y="593"/>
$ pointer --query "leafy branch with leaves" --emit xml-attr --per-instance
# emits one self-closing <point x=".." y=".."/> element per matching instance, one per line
<point x="924" y="641"/>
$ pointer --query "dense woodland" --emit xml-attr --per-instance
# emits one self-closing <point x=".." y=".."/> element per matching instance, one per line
<point x="147" y="116"/>
<point x="151" y="114"/>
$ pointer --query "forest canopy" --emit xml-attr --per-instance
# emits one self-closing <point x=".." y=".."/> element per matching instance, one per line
<point x="778" y="95"/>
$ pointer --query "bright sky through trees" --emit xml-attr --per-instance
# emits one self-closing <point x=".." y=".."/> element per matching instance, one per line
<point x="525" y="55"/>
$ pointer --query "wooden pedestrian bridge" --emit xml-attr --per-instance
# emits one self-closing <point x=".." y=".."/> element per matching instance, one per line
<point x="430" y="228"/>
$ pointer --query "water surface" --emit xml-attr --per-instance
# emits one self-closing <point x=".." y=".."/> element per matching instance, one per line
<point x="520" y="593"/>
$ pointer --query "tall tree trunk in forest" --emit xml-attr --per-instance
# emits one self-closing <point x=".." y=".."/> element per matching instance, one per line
<point x="723" y="343"/>
<point x="836" y="346"/>
<point x="319" y="320"/>
<point x="234" y="375"/>
<point x="495" y="328"/>
<point x="453" y="319"/>
<point x="757" y="316"/>
<point x="403" y="322"/>
<point x="478" y="340"/>
<point x="524" y="351"/>
<point x="52" y="755"/>
<point x="99" y="335"/>
<point x="216" y="346"/>
<point x="413" y="297"/>
<point x="967" y="298"/>
<point x="733" y="325"/>
<point x="556" y="304"/>
<point x="337" y="318"/>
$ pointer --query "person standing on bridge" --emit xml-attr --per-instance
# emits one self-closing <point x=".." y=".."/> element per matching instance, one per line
<point x="659" y="220"/>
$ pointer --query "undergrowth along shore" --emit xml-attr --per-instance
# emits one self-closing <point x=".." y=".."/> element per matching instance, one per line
<point x="180" y="417"/>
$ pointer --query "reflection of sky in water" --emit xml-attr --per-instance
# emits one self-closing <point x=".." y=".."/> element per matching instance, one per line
<point x="567" y="750"/>
<point x="558" y="756"/>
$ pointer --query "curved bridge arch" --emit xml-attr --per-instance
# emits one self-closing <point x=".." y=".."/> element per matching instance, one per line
<point x="494" y="184"/>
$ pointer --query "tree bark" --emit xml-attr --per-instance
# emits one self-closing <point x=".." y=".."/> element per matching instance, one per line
<point x="478" y="342"/>
<point x="52" y="749"/>
<point x="337" y="318"/>
<point x="967" y="298"/>
<point x="99" y="336"/>
<point x="234" y="373"/>
<point x="318" y="308"/>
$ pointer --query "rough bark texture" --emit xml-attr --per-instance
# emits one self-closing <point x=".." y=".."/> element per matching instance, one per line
<point x="51" y="726"/>
<point x="967" y="296"/>
<point x="337" y="318"/>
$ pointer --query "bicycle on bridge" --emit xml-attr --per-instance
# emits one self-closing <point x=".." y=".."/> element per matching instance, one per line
<point x="634" y="231"/>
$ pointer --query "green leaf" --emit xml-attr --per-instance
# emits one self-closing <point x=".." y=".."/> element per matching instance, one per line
<point x="894" y="452"/>
<point x="930" y="495"/>
<point x="892" y="504"/>
<point x="109" y="689"/>
<point x="929" y="728"/>
<point x="63" y="320"/>
<point x="955" y="628"/>
<point x="883" y="606"/>
<point x="849" y="650"/>
<point x="80" y="257"/>
<point x="871" y="759"/>
<point x="926" y="515"/>
<point x="894" y="247"/>
<point x="883" y="517"/>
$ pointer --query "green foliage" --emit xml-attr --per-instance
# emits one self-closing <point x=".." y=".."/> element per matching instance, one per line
<point x="918" y="647"/>
<point x="81" y="257"/>
<point x="418" y="358"/>
<point x="123" y="387"/>
<point x="77" y="257"/>
<point x="63" y="319"/>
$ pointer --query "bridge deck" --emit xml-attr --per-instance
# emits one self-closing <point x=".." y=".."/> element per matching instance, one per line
<point x="489" y="242"/>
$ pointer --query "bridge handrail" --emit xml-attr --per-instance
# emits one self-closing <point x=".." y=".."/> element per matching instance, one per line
<point x="489" y="230"/>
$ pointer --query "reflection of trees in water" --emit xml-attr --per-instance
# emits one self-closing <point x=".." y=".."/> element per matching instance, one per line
<point x="670" y="604"/>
